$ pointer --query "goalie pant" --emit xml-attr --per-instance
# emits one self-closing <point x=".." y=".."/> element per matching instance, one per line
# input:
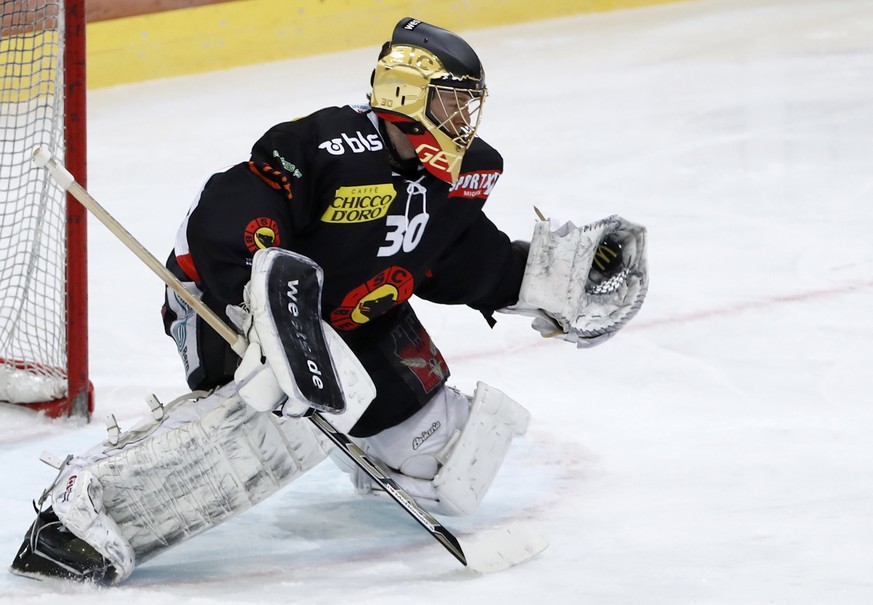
<point x="211" y="457"/>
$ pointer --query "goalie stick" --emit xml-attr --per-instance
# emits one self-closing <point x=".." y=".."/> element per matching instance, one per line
<point x="65" y="179"/>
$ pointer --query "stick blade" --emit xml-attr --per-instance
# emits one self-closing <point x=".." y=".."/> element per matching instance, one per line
<point x="504" y="547"/>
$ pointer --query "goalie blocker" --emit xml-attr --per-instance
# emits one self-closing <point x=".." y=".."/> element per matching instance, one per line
<point x="294" y="358"/>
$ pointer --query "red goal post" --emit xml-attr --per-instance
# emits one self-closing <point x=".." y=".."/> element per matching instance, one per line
<point x="43" y="231"/>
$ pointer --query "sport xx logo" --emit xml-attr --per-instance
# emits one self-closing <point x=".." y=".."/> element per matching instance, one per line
<point x="357" y="143"/>
<point x="475" y="184"/>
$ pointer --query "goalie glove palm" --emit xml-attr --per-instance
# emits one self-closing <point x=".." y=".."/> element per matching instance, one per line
<point x="583" y="284"/>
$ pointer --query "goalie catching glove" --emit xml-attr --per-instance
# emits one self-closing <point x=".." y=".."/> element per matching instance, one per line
<point x="294" y="358"/>
<point x="583" y="284"/>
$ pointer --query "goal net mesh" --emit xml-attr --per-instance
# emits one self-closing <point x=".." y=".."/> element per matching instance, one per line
<point x="33" y="213"/>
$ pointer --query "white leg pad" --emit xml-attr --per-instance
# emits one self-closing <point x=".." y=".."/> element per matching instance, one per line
<point x="447" y="455"/>
<point x="469" y="467"/>
<point x="165" y="481"/>
<point x="78" y="502"/>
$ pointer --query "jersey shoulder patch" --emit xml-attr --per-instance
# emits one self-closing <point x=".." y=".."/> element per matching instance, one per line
<point x="481" y="168"/>
<point x="476" y="185"/>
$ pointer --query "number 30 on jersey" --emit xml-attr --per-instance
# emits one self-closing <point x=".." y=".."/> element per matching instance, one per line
<point x="403" y="233"/>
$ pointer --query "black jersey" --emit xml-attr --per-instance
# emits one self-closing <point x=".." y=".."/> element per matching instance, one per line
<point x="325" y="186"/>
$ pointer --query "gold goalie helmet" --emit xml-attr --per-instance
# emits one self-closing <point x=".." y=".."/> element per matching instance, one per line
<point x="431" y="85"/>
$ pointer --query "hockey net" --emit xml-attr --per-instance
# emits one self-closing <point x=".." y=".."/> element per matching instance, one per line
<point x="43" y="286"/>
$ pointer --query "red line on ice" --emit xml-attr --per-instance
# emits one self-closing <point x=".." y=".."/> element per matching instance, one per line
<point x="799" y="297"/>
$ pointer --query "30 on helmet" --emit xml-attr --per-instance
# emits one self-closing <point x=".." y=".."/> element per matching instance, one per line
<point x="430" y="83"/>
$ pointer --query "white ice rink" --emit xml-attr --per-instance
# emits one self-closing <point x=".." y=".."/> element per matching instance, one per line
<point x="717" y="451"/>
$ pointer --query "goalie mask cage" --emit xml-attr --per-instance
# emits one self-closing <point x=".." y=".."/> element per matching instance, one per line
<point x="43" y="277"/>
